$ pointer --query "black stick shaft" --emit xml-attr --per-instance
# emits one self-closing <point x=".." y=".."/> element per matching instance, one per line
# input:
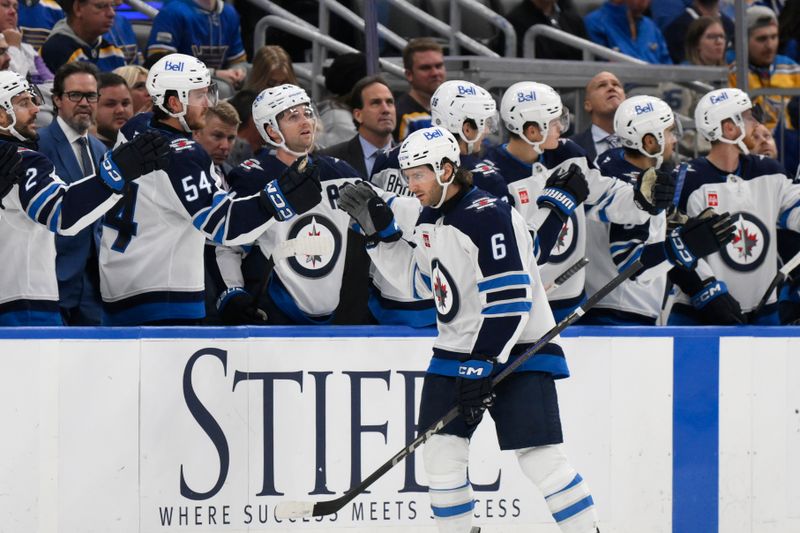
<point x="332" y="506"/>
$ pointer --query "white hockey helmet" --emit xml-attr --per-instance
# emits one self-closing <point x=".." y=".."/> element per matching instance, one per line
<point x="12" y="84"/>
<point x="180" y="73"/>
<point x="457" y="101"/>
<point x="717" y="106"/>
<point x="528" y="101"/>
<point x="431" y="146"/>
<point x="272" y="102"/>
<point x="642" y="115"/>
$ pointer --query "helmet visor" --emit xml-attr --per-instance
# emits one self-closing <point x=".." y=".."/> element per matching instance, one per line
<point x="29" y="97"/>
<point x="562" y="121"/>
<point x="205" y="96"/>
<point x="298" y="113"/>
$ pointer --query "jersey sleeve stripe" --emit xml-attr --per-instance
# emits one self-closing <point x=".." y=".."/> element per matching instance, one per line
<point x="55" y="217"/>
<point x="201" y="217"/>
<point x="41" y="199"/>
<point x="631" y="258"/>
<point x="507" y="294"/>
<point x="783" y="221"/>
<point x="503" y="280"/>
<point x="507" y="308"/>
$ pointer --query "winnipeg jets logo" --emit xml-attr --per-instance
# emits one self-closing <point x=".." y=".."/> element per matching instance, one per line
<point x="250" y="164"/>
<point x="482" y="203"/>
<point x="315" y="266"/>
<point x="445" y="293"/>
<point x="565" y="242"/>
<point x="750" y="243"/>
<point x="179" y="145"/>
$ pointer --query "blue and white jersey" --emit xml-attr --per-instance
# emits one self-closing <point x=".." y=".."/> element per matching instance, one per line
<point x="214" y="37"/>
<point x="305" y="288"/>
<point x="151" y="253"/>
<point x="609" y="199"/>
<point x="613" y="247"/>
<point x="123" y="37"/>
<point x="386" y="304"/>
<point x="41" y="205"/>
<point x="760" y="199"/>
<point x="36" y="19"/>
<point x="474" y="257"/>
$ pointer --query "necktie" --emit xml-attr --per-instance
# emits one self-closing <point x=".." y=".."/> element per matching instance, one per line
<point x="86" y="158"/>
<point x="613" y="141"/>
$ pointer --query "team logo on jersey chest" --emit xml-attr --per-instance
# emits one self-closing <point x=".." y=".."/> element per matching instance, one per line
<point x="566" y="242"/>
<point x="749" y="246"/>
<point x="445" y="293"/>
<point x="482" y="203"/>
<point x="315" y="266"/>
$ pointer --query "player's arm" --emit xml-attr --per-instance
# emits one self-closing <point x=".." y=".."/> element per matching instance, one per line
<point x="613" y="200"/>
<point x="503" y="283"/>
<point x="234" y="303"/>
<point x="789" y="194"/>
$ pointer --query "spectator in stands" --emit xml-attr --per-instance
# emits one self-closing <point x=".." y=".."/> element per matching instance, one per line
<point x="664" y="12"/>
<point x="114" y="107"/>
<point x="79" y="37"/>
<point x="272" y="66"/>
<point x="604" y="93"/>
<point x="218" y="135"/>
<point x="374" y="116"/>
<point x="788" y="142"/>
<point x="75" y="154"/>
<point x="423" y="61"/>
<point x="24" y="59"/>
<point x="761" y="142"/>
<point x="677" y="32"/>
<point x="136" y="79"/>
<point x="559" y="14"/>
<point x="122" y="35"/>
<point x="205" y="29"/>
<point x="766" y="67"/>
<point x="789" y="30"/>
<point x="705" y="42"/>
<point x="335" y="115"/>
<point x="248" y="140"/>
<point x="622" y="26"/>
<point x="36" y="19"/>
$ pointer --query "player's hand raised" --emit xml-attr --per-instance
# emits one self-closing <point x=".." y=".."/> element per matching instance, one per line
<point x="564" y="191"/>
<point x="654" y="190"/>
<point x="700" y="236"/>
<point x="142" y="155"/>
<point x="376" y="219"/>
<point x="296" y="191"/>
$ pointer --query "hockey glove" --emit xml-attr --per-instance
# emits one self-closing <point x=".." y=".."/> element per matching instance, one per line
<point x="238" y="307"/>
<point x="296" y="191"/>
<point x="716" y="305"/>
<point x="376" y="219"/>
<point x="564" y="191"/>
<point x="702" y="235"/>
<point x="474" y="389"/>
<point x="11" y="170"/>
<point x="654" y="190"/>
<point x="142" y="155"/>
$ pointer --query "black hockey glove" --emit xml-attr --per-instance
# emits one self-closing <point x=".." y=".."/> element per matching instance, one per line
<point x="11" y="170"/>
<point x="142" y="155"/>
<point x="376" y="219"/>
<point x="474" y="389"/>
<point x="296" y="191"/>
<point x="716" y="306"/>
<point x="700" y="236"/>
<point x="654" y="190"/>
<point x="238" y="307"/>
<point x="564" y="191"/>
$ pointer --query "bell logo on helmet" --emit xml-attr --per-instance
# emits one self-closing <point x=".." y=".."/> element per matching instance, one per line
<point x="642" y="109"/>
<point x="466" y="90"/>
<point x="434" y="134"/>
<point x="721" y="97"/>
<point x="529" y="96"/>
<point x="173" y="67"/>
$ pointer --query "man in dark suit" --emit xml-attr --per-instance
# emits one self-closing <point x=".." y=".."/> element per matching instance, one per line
<point x="604" y="93"/>
<point x="75" y="154"/>
<point x="374" y="115"/>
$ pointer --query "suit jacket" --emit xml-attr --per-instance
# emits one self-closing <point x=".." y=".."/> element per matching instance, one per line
<point x="76" y="257"/>
<point x="350" y="152"/>
<point x="585" y="140"/>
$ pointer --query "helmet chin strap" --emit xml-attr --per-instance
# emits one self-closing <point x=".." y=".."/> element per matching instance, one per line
<point x="537" y="146"/>
<point x="284" y="147"/>
<point x="180" y="116"/>
<point x="444" y="186"/>
<point x="738" y="141"/>
<point x="470" y="144"/>
<point x="11" y="129"/>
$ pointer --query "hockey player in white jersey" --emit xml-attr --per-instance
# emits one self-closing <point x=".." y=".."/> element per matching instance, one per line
<point x="726" y="287"/>
<point x="473" y="254"/>
<point x="544" y="170"/>
<point x="302" y="289"/>
<point x="151" y="254"/>
<point x="469" y="112"/>
<point x="646" y="127"/>
<point x="42" y="204"/>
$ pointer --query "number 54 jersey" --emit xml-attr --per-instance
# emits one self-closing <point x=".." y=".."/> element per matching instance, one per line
<point x="151" y="252"/>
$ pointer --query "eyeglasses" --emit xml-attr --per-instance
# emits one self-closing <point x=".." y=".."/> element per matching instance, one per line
<point x="77" y="96"/>
<point x="104" y="6"/>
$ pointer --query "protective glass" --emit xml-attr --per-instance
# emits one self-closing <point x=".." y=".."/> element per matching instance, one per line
<point x="675" y="132"/>
<point x="562" y="121"/>
<point x="28" y="98"/>
<point x="298" y="113"/>
<point x="206" y="97"/>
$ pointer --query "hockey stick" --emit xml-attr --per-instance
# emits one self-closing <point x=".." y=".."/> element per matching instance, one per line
<point x="298" y="509"/>
<point x="793" y="263"/>
<point x="568" y="273"/>
<point x="305" y="245"/>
